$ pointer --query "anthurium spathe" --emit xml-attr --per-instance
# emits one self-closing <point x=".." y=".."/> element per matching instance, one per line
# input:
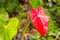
<point x="39" y="20"/>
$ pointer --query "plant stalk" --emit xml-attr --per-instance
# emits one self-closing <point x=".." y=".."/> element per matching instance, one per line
<point x="25" y="29"/>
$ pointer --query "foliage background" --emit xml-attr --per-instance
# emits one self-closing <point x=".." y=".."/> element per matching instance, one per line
<point x="18" y="11"/>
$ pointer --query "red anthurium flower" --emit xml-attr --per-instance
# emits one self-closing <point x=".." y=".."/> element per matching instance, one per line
<point x="39" y="20"/>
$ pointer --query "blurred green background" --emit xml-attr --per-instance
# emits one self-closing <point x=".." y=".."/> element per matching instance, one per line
<point x="15" y="23"/>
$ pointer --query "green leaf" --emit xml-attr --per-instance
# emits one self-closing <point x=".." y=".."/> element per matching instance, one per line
<point x="9" y="31"/>
<point x="41" y="3"/>
<point x="58" y="11"/>
<point x="50" y="38"/>
<point x="56" y="0"/>
<point x="36" y="36"/>
<point x="43" y="38"/>
<point x="2" y="11"/>
<point x="10" y="5"/>
<point x="3" y="14"/>
<point x="2" y="30"/>
<point x="11" y="28"/>
<point x="34" y="3"/>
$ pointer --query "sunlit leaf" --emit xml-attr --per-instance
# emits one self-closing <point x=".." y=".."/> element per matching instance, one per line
<point x="11" y="28"/>
<point x="9" y="31"/>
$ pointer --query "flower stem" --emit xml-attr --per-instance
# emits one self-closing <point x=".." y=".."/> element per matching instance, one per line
<point x="25" y="29"/>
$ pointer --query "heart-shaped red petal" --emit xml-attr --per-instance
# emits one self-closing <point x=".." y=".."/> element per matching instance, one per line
<point x="39" y="20"/>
